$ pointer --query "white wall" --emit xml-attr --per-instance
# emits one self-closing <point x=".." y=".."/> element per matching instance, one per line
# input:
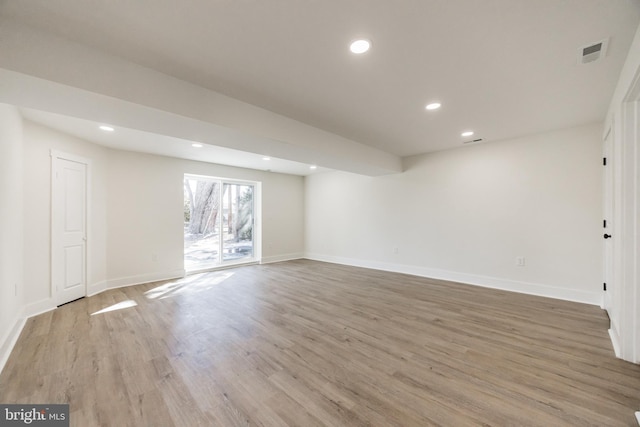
<point x="144" y="211"/>
<point x="38" y="143"/>
<point x="11" y="281"/>
<point x="145" y="214"/>
<point x="137" y="212"/>
<point x="466" y="214"/>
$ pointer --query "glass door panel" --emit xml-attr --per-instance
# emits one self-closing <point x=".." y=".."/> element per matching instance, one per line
<point x="201" y="223"/>
<point x="237" y="208"/>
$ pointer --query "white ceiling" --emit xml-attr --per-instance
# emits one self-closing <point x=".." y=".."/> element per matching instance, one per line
<point x="503" y="68"/>
<point x="146" y="142"/>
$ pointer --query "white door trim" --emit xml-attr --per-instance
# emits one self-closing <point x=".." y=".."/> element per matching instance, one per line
<point x="631" y="112"/>
<point x="56" y="156"/>
<point x="631" y="312"/>
<point x="608" y="217"/>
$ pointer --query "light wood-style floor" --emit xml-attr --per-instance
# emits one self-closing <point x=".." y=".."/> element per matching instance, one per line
<point x="313" y="344"/>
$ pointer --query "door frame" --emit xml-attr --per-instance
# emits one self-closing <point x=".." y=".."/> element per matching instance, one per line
<point x="631" y="223"/>
<point x="625" y="123"/>
<point x="56" y="157"/>
<point x="608" y="188"/>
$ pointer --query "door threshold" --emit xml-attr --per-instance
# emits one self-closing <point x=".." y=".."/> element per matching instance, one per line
<point x="69" y="302"/>
<point x="220" y="267"/>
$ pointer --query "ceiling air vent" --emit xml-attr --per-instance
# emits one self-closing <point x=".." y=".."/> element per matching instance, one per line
<point x="593" y="52"/>
<point x="472" y="141"/>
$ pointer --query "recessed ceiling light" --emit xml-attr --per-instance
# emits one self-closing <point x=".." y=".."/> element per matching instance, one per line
<point x="106" y="128"/>
<point x="433" y="106"/>
<point x="266" y="158"/>
<point x="313" y="167"/>
<point x="196" y="145"/>
<point x="467" y="133"/>
<point x="360" y="46"/>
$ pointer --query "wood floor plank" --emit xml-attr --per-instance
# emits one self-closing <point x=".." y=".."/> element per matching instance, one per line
<point x="304" y="343"/>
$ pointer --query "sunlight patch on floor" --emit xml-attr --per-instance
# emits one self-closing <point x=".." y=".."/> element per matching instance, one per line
<point x="196" y="282"/>
<point x="119" y="306"/>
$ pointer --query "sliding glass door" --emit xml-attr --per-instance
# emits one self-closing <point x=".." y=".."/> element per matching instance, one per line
<point x="219" y="222"/>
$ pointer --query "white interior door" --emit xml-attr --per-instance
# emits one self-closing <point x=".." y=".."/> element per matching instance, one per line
<point x="69" y="230"/>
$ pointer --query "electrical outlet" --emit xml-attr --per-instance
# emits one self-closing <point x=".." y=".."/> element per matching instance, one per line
<point x="520" y="261"/>
<point x="395" y="249"/>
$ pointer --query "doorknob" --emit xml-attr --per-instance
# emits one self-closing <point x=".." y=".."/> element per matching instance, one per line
<point x="607" y="236"/>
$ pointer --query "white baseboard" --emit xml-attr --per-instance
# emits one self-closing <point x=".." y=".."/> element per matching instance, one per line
<point x="9" y="341"/>
<point x="96" y="288"/>
<point x="39" y="307"/>
<point x="143" y="278"/>
<point x="543" y="290"/>
<point x="615" y="341"/>
<point x="280" y="258"/>
<point x="44" y="305"/>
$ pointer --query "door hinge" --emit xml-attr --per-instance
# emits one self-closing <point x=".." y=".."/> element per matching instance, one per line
<point x="604" y="161"/>
<point x="604" y="286"/>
